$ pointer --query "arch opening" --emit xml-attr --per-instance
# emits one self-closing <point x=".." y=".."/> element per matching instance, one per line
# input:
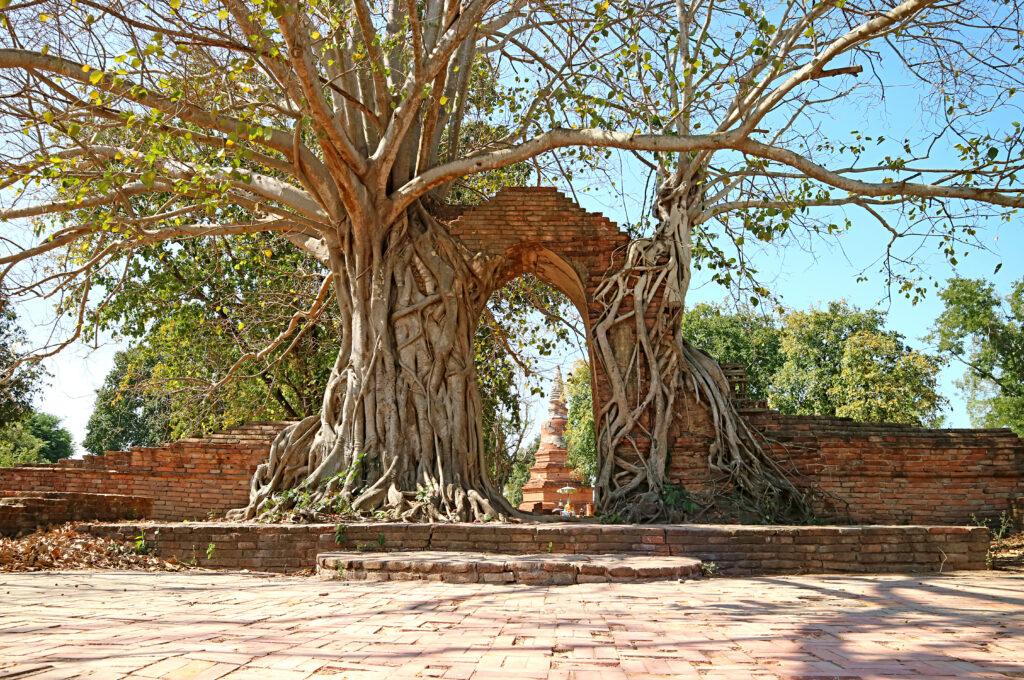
<point x="529" y="459"/>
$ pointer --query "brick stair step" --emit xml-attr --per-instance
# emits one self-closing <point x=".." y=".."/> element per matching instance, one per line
<point x="476" y="567"/>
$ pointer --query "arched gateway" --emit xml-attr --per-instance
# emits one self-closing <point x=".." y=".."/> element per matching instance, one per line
<point x="539" y="231"/>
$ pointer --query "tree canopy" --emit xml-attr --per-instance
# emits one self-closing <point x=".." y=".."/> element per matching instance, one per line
<point x="841" y="361"/>
<point x="36" y="438"/>
<point x="19" y="382"/>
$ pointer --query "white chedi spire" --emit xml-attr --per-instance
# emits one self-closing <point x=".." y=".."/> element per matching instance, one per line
<point x="556" y="397"/>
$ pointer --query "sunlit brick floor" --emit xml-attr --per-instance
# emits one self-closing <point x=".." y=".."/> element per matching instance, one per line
<point x="226" y="625"/>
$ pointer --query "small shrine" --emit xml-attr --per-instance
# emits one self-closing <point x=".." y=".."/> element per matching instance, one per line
<point x="553" y="485"/>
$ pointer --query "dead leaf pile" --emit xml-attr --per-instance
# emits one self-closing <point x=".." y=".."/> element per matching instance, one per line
<point x="63" y="548"/>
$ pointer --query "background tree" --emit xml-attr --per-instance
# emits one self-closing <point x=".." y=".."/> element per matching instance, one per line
<point x="19" y="382"/>
<point x="520" y="472"/>
<point x="36" y="438"/>
<point x="56" y="439"/>
<point x="339" y="127"/>
<point x="745" y="337"/>
<point x="18" y="445"/>
<point x="985" y="332"/>
<point x="881" y="380"/>
<point x="126" y="413"/>
<point x="579" y="436"/>
<point x="840" y="361"/>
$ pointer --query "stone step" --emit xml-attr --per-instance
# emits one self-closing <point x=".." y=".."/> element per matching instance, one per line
<point x="471" y="567"/>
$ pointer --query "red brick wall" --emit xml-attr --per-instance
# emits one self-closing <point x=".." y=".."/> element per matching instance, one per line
<point x="735" y="550"/>
<point x="883" y="473"/>
<point x="899" y="473"/>
<point x="187" y="479"/>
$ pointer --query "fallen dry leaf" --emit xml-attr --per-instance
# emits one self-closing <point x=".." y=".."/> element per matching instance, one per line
<point x="61" y="548"/>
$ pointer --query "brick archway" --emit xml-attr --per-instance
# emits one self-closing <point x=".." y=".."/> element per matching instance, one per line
<point x="542" y="232"/>
<point x="539" y="231"/>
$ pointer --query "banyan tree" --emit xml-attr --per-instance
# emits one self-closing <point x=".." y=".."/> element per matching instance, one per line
<point x="344" y="126"/>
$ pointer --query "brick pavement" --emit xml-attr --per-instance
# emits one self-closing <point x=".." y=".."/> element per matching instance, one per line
<point x="230" y="625"/>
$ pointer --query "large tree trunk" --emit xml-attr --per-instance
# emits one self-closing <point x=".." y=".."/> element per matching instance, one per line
<point x="638" y="341"/>
<point x="399" y="431"/>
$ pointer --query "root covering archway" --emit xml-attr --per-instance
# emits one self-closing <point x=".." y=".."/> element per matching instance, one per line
<point x="400" y="428"/>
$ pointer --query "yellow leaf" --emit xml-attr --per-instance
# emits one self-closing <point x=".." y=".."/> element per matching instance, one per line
<point x="96" y="77"/>
<point x="316" y="35"/>
<point x="85" y="68"/>
<point x="443" y="100"/>
<point x="268" y="253"/>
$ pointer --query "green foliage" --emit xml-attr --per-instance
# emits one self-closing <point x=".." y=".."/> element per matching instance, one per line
<point x="18" y="445"/>
<point x="126" y="412"/>
<point x="580" y="440"/>
<point x="341" y="534"/>
<point x="881" y="380"/>
<point x="745" y="337"/>
<point x="676" y="497"/>
<point x="986" y="333"/>
<point x="19" y="382"/>
<point x="520" y="472"/>
<point x="194" y="310"/>
<point x="813" y="343"/>
<point x="142" y="547"/>
<point x="998" y="527"/>
<point x="56" y="440"/>
<point x="840" y="361"/>
<point x="37" y="438"/>
<point x="513" y="489"/>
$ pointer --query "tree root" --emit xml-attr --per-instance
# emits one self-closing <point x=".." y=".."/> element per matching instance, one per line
<point x="644" y="382"/>
<point x="282" y="490"/>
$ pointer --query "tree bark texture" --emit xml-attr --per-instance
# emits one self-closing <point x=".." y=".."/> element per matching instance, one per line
<point x="648" y="364"/>
<point x="399" y="431"/>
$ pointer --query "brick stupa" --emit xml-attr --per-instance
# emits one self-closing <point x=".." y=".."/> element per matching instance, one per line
<point x="551" y="471"/>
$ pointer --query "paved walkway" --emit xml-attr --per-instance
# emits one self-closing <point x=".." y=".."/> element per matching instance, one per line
<point x="229" y="625"/>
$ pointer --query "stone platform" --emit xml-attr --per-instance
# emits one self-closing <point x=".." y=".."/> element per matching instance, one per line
<point x="736" y="550"/>
<point x="24" y="511"/>
<point x="463" y="567"/>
